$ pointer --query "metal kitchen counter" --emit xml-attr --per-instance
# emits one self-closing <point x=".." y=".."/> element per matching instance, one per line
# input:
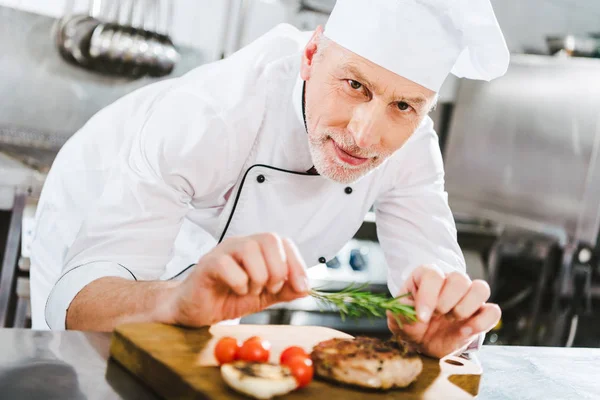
<point x="74" y="365"/>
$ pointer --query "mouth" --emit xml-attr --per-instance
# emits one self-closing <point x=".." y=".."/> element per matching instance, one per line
<point x="348" y="158"/>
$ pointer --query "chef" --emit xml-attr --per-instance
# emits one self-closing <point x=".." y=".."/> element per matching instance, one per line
<point x="204" y="198"/>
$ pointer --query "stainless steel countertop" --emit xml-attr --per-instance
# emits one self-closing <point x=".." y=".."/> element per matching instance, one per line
<point x="73" y="365"/>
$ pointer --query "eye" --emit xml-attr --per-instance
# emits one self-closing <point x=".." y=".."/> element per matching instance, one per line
<point x="354" y="84"/>
<point x="403" y="106"/>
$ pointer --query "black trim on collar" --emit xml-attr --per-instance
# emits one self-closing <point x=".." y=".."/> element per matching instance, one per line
<point x="312" y="170"/>
<point x="304" y="105"/>
<point x="237" y="196"/>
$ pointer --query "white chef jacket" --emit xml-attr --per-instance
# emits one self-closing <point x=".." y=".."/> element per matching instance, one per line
<point x="157" y="179"/>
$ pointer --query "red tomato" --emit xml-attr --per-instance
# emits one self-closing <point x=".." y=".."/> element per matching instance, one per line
<point x="255" y="349"/>
<point x="302" y="369"/>
<point x="227" y="350"/>
<point x="290" y="353"/>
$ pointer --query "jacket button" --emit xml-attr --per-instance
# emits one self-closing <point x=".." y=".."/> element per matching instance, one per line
<point x="322" y="260"/>
<point x="260" y="178"/>
<point x="348" y="190"/>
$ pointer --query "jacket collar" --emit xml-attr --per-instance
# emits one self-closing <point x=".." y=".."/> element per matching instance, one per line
<point x="298" y="100"/>
<point x="296" y="145"/>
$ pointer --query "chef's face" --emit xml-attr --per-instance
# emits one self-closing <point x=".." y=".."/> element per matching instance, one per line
<point x="357" y="113"/>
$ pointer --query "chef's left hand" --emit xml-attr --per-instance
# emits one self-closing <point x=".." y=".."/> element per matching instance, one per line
<point x="451" y="309"/>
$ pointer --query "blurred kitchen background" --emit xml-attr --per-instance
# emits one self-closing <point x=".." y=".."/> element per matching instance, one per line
<point x="521" y="153"/>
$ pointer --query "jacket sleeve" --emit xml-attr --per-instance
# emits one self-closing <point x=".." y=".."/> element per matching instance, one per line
<point x="414" y="223"/>
<point x="130" y="230"/>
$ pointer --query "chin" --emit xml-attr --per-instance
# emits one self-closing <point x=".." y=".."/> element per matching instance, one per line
<point x="329" y="167"/>
<point x="340" y="175"/>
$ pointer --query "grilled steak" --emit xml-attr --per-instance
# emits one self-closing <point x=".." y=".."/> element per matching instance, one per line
<point x="367" y="362"/>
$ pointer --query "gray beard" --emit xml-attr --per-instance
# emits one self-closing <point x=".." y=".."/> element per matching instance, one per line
<point x="335" y="172"/>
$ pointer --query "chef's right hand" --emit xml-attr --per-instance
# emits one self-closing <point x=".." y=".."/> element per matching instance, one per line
<point x="238" y="277"/>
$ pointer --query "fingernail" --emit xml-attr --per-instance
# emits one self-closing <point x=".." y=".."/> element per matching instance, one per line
<point x="424" y="314"/>
<point x="466" y="330"/>
<point x="276" y="288"/>
<point x="301" y="284"/>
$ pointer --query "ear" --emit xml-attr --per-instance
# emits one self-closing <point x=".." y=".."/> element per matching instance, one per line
<point x="308" y="55"/>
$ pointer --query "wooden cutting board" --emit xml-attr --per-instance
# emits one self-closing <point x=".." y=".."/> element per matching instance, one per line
<point x="178" y="363"/>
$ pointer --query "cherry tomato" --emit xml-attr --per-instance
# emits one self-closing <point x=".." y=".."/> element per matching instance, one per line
<point x="302" y="369"/>
<point x="227" y="350"/>
<point x="255" y="349"/>
<point x="291" y="352"/>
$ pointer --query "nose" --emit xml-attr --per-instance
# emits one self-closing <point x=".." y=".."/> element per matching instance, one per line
<point x="365" y="124"/>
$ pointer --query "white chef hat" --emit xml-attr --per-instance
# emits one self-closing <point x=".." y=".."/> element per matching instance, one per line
<point x="423" y="40"/>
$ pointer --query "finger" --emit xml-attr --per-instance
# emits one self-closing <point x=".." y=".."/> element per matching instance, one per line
<point x="275" y="259"/>
<point x="392" y="323"/>
<point x="484" y="320"/>
<point x="231" y="274"/>
<point x="296" y="267"/>
<point x="286" y="294"/>
<point x="251" y="257"/>
<point x="476" y="296"/>
<point x="429" y="282"/>
<point x="408" y="330"/>
<point x="455" y="288"/>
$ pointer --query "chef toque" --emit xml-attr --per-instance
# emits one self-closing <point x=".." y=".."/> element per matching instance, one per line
<point x="423" y="40"/>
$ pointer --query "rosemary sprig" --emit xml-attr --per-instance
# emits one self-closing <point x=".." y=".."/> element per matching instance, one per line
<point x="354" y="301"/>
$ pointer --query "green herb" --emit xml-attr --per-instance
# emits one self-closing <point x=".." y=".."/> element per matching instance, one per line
<point x="354" y="301"/>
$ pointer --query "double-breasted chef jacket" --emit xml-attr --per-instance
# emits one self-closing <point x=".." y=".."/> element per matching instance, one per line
<point x="157" y="179"/>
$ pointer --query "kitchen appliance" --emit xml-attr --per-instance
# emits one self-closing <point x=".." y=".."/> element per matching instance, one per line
<point x="359" y="261"/>
<point x="100" y="41"/>
<point x="524" y="152"/>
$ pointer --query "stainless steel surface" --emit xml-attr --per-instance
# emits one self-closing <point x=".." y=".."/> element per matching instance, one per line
<point x="73" y="365"/>
<point x="21" y="313"/>
<point x="114" y="43"/>
<point x="14" y="176"/>
<point x="42" y="365"/>
<point x="533" y="373"/>
<point x="11" y="254"/>
<point x="70" y="95"/>
<point x="23" y="308"/>
<point x="331" y="320"/>
<point x="523" y="150"/>
<point x="343" y="274"/>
